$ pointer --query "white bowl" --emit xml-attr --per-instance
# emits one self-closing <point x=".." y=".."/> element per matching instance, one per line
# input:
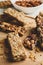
<point x="25" y="9"/>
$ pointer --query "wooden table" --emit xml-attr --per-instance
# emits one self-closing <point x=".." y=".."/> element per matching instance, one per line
<point x="28" y="61"/>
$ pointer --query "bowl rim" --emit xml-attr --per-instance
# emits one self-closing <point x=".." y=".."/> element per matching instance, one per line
<point x="25" y="7"/>
<point x="30" y="7"/>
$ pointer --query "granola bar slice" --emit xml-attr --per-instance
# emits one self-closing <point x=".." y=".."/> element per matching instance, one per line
<point x="8" y="27"/>
<point x="17" y="51"/>
<point x="39" y="20"/>
<point x="21" y="17"/>
<point x="5" y="4"/>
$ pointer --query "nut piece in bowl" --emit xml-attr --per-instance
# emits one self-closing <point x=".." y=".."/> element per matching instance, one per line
<point x="30" y="3"/>
<point x="27" y="7"/>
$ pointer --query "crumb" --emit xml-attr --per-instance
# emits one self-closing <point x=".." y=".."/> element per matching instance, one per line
<point x="40" y="55"/>
<point x="32" y="56"/>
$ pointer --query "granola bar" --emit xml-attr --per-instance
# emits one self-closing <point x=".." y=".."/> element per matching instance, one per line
<point x="8" y="27"/>
<point x="16" y="51"/>
<point x="5" y="4"/>
<point x="21" y="17"/>
<point x="39" y="20"/>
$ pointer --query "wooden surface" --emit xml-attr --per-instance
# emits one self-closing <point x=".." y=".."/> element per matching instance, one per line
<point x="28" y="61"/>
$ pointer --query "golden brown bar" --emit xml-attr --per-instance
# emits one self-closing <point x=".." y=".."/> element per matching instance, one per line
<point x="5" y="4"/>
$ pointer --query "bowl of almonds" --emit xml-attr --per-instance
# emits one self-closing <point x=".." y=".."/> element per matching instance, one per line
<point x="27" y="6"/>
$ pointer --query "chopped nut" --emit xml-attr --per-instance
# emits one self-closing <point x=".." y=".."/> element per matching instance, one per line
<point x="32" y="56"/>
